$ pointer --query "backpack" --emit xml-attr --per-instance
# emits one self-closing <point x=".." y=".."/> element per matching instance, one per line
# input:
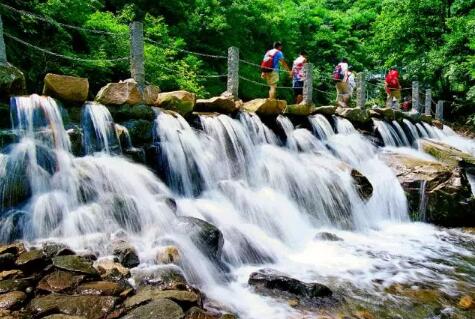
<point x="392" y="79"/>
<point x="267" y="64"/>
<point x="337" y="74"/>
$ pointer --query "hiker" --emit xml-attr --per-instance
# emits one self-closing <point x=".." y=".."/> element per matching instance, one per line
<point x="340" y="76"/>
<point x="298" y="76"/>
<point x="393" y="88"/>
<point x="406" y="106"/>
<point x="270" y="68"/>
<point x="351" y="80"/>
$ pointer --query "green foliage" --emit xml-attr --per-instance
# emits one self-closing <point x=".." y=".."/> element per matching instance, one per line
<point x="432" y="41"/>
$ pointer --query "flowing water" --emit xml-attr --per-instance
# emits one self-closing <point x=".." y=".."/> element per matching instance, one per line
<point x="269" y="197"/>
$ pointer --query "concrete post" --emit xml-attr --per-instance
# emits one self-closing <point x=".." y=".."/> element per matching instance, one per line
<point x="233" y="71"/>
<point x="137" y="59"/>
<point x="428" y="102"/>
<point x="439" y="111"/>
<point x="415" y="96"/>
<point x="360" y="90"/>
<point x="3" y="52"/>
<point x="308" y="84"/>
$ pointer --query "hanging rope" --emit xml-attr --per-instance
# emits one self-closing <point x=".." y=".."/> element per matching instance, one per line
<point x="53" y="22"/>
<point x="213" y="56"/>
<point x="199" y="76"/>
<point x="76" y="59"/>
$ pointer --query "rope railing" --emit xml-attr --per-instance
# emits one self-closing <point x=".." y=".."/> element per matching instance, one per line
<point x="197" y="75"/>
<point x="76" y="59"/>
<point x="214" y="56"/>
<point x="53" y="22"/>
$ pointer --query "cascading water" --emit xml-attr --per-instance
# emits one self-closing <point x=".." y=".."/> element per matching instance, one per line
<point x="268" y="201"/>
<point x="100" y="133"/>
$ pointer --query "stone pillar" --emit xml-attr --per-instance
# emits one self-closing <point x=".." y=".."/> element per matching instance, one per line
<point x="360" y="90"/>
<point x="308" y="84"/>
<point x="3" y="53"/>
<point x="428" y="102"/>
<point x="137" y="59"/>
<point x="439" y="111"/>
<point x="415" y="96"/>
<point x="233" y="72"/>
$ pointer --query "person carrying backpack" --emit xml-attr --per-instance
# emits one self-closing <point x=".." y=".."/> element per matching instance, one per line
<point x="298" y="76"/>
<point x="270" y="68"/>
<point x="340" y="76"/>
<point x="393" y="88"/>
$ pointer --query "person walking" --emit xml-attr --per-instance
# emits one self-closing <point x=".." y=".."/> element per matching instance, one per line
<point x="340" y="76"/>
<point x="351" y="81"/>
<point x="270" y="68"/>
<point x="298" y="76"/>
<point x="393" y="88"/>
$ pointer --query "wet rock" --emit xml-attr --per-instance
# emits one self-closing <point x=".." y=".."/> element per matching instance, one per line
<point x="426" y="118"/>
<point x="7" y="137"/>
<point x="150" y="94"/>
<point x="168" y="255"/>
<point x="75" y="264"/>
<point x="119" y="94"/>
<point x="182" y="102"/>
<point x="169" y="201"/>
<point x="207" y="236"/>
<point x="446" y="153"/>
<point x="386" y="113"/>
<point x="140" y="131"/>
<point x="165" y="277"/>
<point x="363" y="185"/>
<point x="220" y="104"/>
<point x="265" y="106"/>
<point x="135" y="154"/>
<point x="363" y="314"/>
<point x="439" y="124"/>
<point x="13" y="285"/>
<point x="11" y="274"/>
<point x="7" y="260"/>
<point x="466" y="303"/>
<point x="354" y="115"/>
<point x="66" y="88"/>
<point x="14" y="248"/>
<point x="186" y="299"/>
<point x="126" y="254"/>
<point x="59" y="281"/>
<point x="325" y="110"/>
<point x="12" y="300"/>
<point x="110" y="269"/>
<point x="269" y="279"/>
<point x="157" y="309"/>
<point x="299" y="109"/>
<point x="76" y="138"/>
<point x="51" y="249"/>
<point x="124" y="209"/>
<point x="59" y="316"/>
<point x="132" y="112"/>
<point x="197" y="313"/>
<point x="448" y="196"/>
<point x="12" y="81"/>
<point x="327" y="237"/>
<point x="101" y="288"/>
<point x="91" y="307"/>
<point x="31" y="260"/>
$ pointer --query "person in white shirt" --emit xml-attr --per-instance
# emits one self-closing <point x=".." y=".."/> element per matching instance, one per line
<point x="351" y="81"/>
<point x="342" y="86"/>
<point x="298" y="76"/>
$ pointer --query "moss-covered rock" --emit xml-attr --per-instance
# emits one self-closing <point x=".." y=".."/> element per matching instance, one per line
<point x="325" y="110"/>
<point x="140" y="131"/>
<point x="265" y="106"/>
<point x="299" y="109"/>
<point x="354" y="115"/>
<point x="182" y="102"/>
<point x="12" y="81"/>
<point x="446" y="153"/>
<point x="132" y="112"/>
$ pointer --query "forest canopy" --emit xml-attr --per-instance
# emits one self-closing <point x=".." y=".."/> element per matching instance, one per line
<point x="431" y="41"/>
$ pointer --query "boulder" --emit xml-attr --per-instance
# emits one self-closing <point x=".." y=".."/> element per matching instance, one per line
<point x="164" y="277"/>
<point x="91" y="307"/>
<point x="466" y="303"/>
<point x="186" y="299"/>
<point x="197" y="313"/>
<point x="66" y="88"/>
<point x="12" y="81"/>
<point x="52" y="249"/>
<point x="11" y="274"/>
<point x="157" y="309"/>
<point x="13" y="285"/>
<point x="140" y="131"/>
<point x="7" y="137"/>
<point x="132" y="112"/>
<point x="385" y="113"/>
<point x="76" y="138"/>
<point x="446" y="153"/>
<point x="326" y="236"/>
<point x="110" y="269"/>
<point x="101" y="288"/>
<point x="437" y="123"/>
<point x="126" y="254"/>
<point x="299" y="109"/>
<point x="7" y="260"/>
<point x="220" y="104"/>
<point x="31" y="260"/>
<point x="59" y="316"/>
<point x="412" y="115"/>
<point x="150" y="94"/>
<point x="272" y="280"/>
<point x="14" y="248"/>
<point x="59" y="281"/>
<point x="354" y="115"/>
<point x="120" y="93"/>
<point x="207" y="236"/>
<point x="168" y="255"/>
<point x="327" y="110"/>
<point x="448" y="196"/>
<point x="182" y="102"/>
<point x="363" y="185"/>
<point x="75" y="264"/>
<point x="12" y="300"/>
<point x="426" y="118"/>
<point x="265" y="106"/>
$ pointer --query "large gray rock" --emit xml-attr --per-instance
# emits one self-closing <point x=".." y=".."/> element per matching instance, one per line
<point x="66" y="88"/>
<point x="157" y="309"/>
<point x="355" y="115"/>
<point x="12" y="300"/>
<point x="12" y="81"/>
<point x="101" y="288"/>
<point x="126" y="254"/>
<point x="265" y="106"/>
<point x="59" y="281"/>
<point x="186" y="299"/>
<point x="75" y="264"/>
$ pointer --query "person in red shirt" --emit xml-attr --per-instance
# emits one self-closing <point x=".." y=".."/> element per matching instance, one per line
<point x="393" y="88"/>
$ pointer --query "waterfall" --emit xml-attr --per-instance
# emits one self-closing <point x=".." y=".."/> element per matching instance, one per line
<point x="343" y="126"/>
<point x="401" y="133"/>
<point x="258" y="132"/>
<point x="422" y="131"/>
<point x="321" y="127"/>
<point x="412" y="130"/>
<point x="99" y="130"/>
<point x="388" y="133"/>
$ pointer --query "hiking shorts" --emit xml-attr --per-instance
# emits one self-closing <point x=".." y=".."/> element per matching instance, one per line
<point x="342" y="90"/>
<point x="298" y="87"/>
<point x="272" y="78"/>
<point x="394" y="93"/>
